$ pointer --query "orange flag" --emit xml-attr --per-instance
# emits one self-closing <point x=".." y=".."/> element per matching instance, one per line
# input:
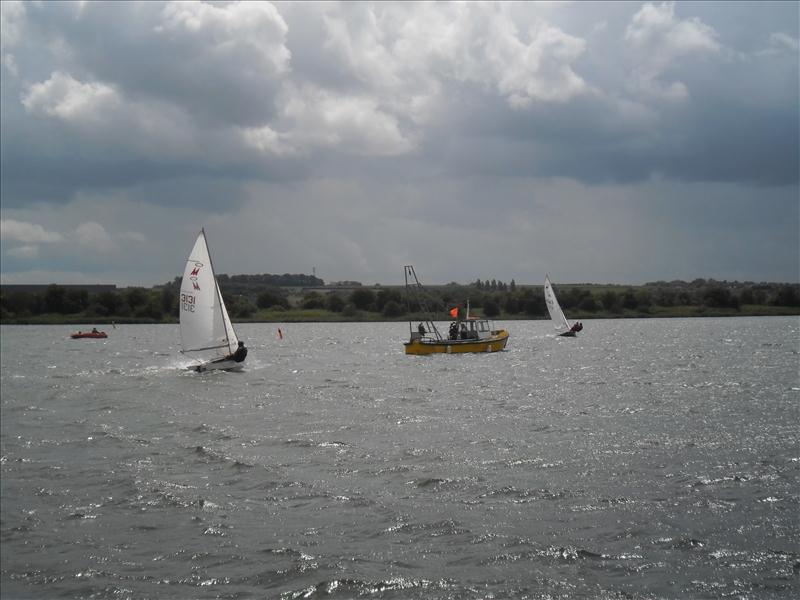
<point x="454" y="312"/>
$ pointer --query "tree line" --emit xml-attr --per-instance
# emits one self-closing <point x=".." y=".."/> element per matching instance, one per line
<point x="246" y="299"/>
<point x="146" y="304"/>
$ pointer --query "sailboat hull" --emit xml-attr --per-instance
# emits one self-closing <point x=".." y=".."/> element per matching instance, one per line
<point x="495" y="343"/>
<point x="567" y="334"/>
<point x="223" y="365"/>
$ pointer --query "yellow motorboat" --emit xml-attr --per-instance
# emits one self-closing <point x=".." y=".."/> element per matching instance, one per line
<point x="470" y="334"/>
<point x="473" y="335"/>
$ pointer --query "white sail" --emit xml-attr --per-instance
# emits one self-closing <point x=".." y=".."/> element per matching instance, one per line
<point x="233" y="340"/>
<point x="205" y="327"/>
<point x="556" y="314"/>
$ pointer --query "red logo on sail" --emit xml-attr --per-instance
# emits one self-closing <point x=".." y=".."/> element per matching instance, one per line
<point x="194" y="273"/>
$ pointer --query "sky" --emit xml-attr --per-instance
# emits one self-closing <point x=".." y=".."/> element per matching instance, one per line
<point x="603" y="142"/>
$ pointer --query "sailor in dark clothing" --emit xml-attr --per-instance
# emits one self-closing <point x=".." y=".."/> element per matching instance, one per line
<point x="240" y="354"/>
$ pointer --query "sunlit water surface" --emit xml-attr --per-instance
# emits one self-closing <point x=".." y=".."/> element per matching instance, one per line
<point x="644" y="459"/>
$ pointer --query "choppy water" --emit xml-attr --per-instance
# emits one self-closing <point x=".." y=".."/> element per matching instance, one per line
<point x="644" y="459"/>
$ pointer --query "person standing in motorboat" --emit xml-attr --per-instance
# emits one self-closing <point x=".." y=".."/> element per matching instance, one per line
<point x="454" y="330"/>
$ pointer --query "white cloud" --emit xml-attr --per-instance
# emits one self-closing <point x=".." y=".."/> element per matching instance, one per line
<point x="70" y="100"/>
<point x="659" y="39"/>
<point x="12" y="17"/>
<point x="218" y="84"/>
<point x="28" y="233"/>
<point x="785" y="42"/>
<point x="147" y="126"/>
<point x="227" y="64"/>
<point x="780" y="43"/>
<point x="266" y="140"/>
<point x="242" y="31"/>
<point x="536" y="67"/>
<point x="541" y="70"/>
<point x="25" y="252"/>
<point x="395" y="63"/>
<point x="94" y="236"/>
<point x="656" y="26"/>
<point x="10" y="63"/>
<point x="356" y="124"/>
<point x="414" y="49"/>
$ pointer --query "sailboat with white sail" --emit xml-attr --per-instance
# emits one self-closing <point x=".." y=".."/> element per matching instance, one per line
<point x="206" y="330"/>
<point x="556" y="314"/>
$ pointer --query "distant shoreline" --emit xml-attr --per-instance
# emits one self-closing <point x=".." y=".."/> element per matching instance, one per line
<point x="249" y="300"/>
<point x="316" y="316"/>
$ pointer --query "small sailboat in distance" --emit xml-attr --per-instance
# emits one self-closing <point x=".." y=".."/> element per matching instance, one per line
<point x="556" y="314"/>
<point x="206" y="330"/>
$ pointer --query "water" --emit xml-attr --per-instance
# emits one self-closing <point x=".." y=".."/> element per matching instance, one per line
<point x="644" y="459"/>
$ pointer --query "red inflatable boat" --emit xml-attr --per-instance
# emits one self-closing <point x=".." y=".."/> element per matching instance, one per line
<point x="89" y="334"/>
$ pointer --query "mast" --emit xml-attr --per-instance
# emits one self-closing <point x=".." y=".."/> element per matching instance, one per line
<point x="408" y="298"/>
<point x="416" y="288"/>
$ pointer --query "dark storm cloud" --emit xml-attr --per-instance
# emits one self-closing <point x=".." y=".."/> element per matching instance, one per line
<point x="127" y="117"/>
<point x="221" y="66"/>
<point x="702" y="110"/>
<point x="739" y="122"/>
<point x="333" y="133"/>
